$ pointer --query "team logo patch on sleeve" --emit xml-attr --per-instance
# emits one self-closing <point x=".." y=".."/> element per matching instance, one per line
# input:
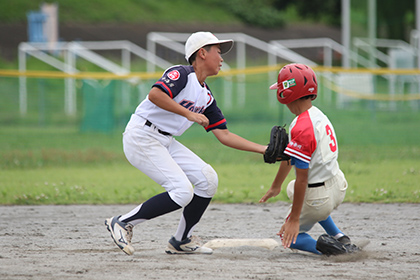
<point x="173" y="75"/>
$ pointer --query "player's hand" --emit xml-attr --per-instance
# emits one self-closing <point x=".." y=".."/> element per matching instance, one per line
<point x="198" y="118"/>
<point x="272" y="192"/>
<point x="289" y="232"/>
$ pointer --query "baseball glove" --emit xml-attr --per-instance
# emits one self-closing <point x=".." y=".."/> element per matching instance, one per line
<point x="278" y="142"/>
<point x="328" y="245"/>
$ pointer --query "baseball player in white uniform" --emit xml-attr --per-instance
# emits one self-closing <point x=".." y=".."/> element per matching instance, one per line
<point x="320" y="186"/>
<point x="177" y="100"/>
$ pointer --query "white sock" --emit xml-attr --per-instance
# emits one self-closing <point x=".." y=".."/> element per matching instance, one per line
<point x="338" y="235"/>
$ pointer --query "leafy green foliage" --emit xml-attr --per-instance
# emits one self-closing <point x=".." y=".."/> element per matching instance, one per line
<point x="256" y="12"/>
<point x="122" y="11"/>
<point x="326" y="11"/>
<point x="397" y="18"/>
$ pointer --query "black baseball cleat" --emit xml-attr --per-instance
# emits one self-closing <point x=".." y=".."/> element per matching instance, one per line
<point x="121" y="233"/>
<point x="350" y="248"/>
<point x="344" y="239"/>
<point x="329" y="245"/>
<point x="186" y="246"/>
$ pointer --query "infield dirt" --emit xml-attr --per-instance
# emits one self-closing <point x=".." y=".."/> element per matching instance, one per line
<point x="71" y="242"/>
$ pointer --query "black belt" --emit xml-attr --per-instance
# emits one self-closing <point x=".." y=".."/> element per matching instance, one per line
<point x="315" y="185"/>
<point x="148" y="123"/>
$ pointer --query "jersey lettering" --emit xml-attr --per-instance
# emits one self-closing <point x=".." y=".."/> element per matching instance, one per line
<point x="333" y="142"/>
<point x="186" y="103"/>
<point x="190" y="106"/>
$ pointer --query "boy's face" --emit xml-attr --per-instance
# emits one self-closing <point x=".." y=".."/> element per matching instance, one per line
<point x="214" y="60"/>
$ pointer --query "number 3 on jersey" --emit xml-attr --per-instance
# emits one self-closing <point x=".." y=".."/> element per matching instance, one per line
<point x="333" y="142"/>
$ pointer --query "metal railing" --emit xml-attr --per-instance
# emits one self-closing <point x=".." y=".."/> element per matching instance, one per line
<point x="71" y="50"/>
<point x="275" y="50"/>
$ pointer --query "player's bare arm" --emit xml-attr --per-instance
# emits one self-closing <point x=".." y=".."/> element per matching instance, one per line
<point x="162" y="100"/>
<point x="234" y="141"/>
<point x="275" y="188"/>
<point x="290" y="229"/>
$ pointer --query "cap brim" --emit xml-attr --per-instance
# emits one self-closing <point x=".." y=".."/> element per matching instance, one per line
<point x="225" y="46"/>
<point x="274" y="86"/>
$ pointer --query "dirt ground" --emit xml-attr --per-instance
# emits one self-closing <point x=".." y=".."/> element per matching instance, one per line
<point x="71" y="242"/>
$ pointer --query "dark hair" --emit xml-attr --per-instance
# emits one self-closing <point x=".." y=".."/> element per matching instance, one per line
<point x="308" y="97"/>
<point x="194" y="55"/>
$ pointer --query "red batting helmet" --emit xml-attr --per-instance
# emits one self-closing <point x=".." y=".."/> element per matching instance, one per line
<point x="295" y="81"/>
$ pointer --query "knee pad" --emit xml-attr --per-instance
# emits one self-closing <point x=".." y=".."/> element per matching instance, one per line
<point x="212" y="180"/>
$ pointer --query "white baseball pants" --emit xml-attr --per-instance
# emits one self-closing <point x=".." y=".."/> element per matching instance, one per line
<point x="319" y="202"/>
<point x="168" y="162"/>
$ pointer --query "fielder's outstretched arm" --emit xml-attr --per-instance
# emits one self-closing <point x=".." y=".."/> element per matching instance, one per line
<point x="234" y="141"/>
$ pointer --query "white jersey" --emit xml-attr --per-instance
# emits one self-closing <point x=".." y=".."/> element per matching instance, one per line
<point x="312" y="139"/>
<point x="181" y="84"/>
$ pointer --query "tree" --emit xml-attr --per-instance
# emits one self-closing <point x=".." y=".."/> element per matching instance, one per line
<point x="326" y="11"/>
<point x="395" y="18"/>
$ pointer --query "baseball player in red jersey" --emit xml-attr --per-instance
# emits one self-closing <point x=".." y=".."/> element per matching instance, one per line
<point x="178" y="99"/>
<point x="320" y="186"/>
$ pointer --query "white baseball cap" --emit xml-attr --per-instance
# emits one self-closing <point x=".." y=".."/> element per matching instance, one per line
<point x="200" y="39"/>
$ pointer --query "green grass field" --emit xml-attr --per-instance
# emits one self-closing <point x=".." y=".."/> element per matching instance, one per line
<point x="63" y="166"/>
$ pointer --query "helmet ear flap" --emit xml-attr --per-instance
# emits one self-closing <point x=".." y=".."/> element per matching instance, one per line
<point x="282" y="94"/>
